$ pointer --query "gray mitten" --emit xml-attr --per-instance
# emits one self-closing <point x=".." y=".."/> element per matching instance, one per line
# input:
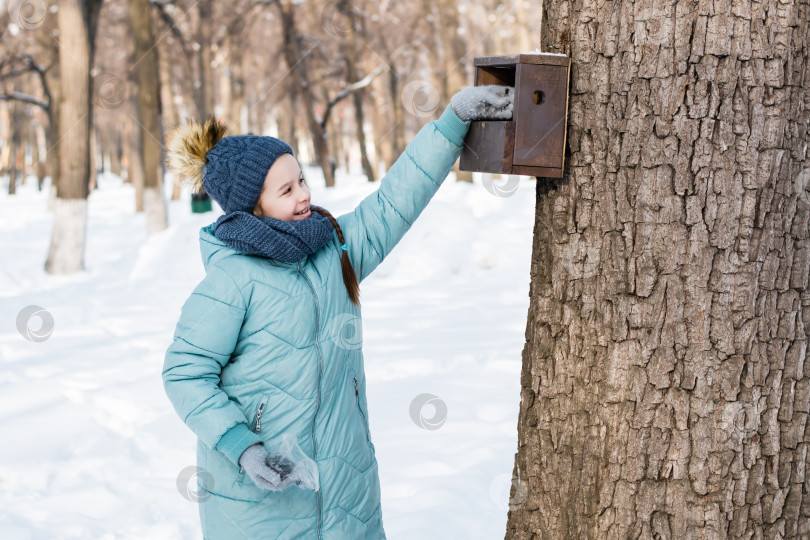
<point x="253" y="460"/>
<point x="285" y="467"/>
<point x="492" y="102"/>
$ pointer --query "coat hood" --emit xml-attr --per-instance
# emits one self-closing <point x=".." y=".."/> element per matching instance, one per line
<point x="212" y="248"/>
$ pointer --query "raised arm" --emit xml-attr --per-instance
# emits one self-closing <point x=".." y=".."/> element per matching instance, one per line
<point x="380" y="221"/>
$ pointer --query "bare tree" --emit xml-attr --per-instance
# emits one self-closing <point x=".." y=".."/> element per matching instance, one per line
<point x="665" y="384"/>
<point x="15" y="68"/>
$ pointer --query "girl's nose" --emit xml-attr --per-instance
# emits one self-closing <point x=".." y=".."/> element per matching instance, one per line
<point x="303" y="193"/>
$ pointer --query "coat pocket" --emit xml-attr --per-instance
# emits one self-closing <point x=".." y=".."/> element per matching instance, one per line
<point x="360" y="410"/>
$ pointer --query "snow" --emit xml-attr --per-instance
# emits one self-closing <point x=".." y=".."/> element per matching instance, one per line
<point x="92" y="446"/>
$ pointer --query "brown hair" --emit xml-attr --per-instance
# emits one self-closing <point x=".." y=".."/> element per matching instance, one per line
<point x="349" y="277"/>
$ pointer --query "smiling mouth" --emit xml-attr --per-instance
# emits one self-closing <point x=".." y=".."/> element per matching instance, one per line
<point x="302" y="212"/>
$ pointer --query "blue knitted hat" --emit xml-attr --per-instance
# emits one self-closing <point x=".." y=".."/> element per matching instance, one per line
<point x="237" y="167"/>
<point x="230" y="169"/>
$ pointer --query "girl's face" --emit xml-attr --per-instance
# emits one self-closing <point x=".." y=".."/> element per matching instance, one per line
<point x="284" y="193"/>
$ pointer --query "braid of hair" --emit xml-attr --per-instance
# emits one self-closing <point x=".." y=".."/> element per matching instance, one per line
<point x="349" y="277"/>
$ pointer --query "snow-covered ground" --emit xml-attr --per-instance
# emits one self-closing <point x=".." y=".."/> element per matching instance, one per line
<point x="92" y="448"/>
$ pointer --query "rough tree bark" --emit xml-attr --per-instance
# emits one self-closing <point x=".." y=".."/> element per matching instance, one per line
<point x="665" y="383"/>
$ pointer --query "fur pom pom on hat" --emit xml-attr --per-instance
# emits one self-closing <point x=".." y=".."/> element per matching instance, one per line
<point x="186" y="147"/>
<point x="231" y="169"/>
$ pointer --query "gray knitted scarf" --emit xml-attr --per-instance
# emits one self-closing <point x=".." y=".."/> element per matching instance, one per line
<point x="285" y="241"/>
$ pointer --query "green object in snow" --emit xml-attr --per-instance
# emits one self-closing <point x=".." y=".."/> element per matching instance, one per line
<point x="200" y="203"/>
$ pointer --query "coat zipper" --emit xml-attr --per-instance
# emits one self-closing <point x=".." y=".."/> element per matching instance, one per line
<point x="257" y="427"/>
<point x="317" y="346"/>
<point x="357" y="396"/>
<point x="259" y="418"/>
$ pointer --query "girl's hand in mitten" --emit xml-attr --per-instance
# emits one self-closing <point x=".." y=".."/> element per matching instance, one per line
<point x="280" y="469"/>
<point x="492" y="102"/>
<point x="254" y="461"/>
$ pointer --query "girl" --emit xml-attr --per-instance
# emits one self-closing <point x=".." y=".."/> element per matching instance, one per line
<point x="262" y="348"/>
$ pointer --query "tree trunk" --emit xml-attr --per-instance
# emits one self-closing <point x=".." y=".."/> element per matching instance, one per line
<point x="233" y="88"/>
<point x="5" y="120"/>
<point x="382" y="127"/>
<point x="14" y="148"/>
<point x="77" y="28"/>
<point x="92" y="183"/>
<point x="167" y="105"/>
<point x="237" y="85"/>
<point x="665" y="387"/>
<point x="37" y="146"/>
<point x="53" y="78"/>
<point x="149" y="116"/>
<point x="352" y="74"/>
<point x="204" y="93"/>
<point x="102" y="148"/>
<point x="296" y="63"/>
<point x="26" y="129"/>
<point x="114" y="148"/>
<point x="290" y="135"/>
<point x="397" y="145"/>
<point x="454" y="75"/>
<point x="359" y="121"/>
<point x="135" y="170"/>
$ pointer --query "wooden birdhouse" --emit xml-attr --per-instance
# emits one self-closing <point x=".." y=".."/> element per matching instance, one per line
<point x="533" y="142"/>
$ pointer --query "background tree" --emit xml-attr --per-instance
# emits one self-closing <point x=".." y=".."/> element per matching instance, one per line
<point x="29" y="76"/>
<point x="665" y="384"/>
<point x="149" y="115"/>
<point x="77" y="28"/>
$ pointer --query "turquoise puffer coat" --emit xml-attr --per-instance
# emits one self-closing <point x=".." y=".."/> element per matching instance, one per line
<point x="264" y="348"/>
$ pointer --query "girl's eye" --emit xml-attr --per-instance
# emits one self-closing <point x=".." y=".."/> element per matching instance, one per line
<point x="300" y="181"/>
